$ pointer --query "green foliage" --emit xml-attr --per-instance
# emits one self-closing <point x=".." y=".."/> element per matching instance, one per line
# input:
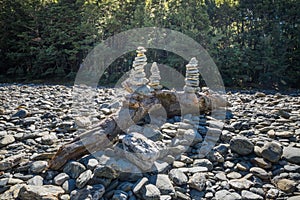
<point x="253" y="46"/>
<point x="254" y="43"/>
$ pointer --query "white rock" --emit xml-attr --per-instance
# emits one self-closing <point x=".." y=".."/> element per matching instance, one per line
<point x="140" y="150"/>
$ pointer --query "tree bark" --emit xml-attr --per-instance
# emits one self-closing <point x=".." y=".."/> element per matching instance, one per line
<point x="135" y="106"/>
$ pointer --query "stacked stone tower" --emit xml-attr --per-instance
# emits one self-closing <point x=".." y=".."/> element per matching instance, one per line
<point x="137" y="79"/>
<point x="138" y="76"/>
<point x="155" y="77"/>
<point x="192" y="77"/>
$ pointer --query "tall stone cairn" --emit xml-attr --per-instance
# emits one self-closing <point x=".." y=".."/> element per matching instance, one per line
<point x="192" y="77"/>
<point x="155" y="77"/>
<point x="137" y="77"/>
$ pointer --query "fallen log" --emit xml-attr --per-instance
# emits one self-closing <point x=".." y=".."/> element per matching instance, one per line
<point x="135" y="106"/>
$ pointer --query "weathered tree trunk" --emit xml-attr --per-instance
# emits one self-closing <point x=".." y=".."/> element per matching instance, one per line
<point x="95" y="139"/>
<point x="135" y="107"/>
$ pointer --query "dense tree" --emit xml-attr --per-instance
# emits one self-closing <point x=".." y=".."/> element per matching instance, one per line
<point x="254" y="43"/>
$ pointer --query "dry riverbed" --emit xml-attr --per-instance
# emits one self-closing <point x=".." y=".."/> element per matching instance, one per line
<point x="257" y="155"/>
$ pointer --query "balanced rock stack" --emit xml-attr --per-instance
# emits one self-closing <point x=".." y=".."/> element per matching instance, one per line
<point x="155" y="77"/>
<point x="192" y="77"/>
<point x="137" y="80"/>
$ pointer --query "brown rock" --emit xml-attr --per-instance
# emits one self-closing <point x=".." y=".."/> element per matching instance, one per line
<point x="12" y="193"/>
<point x="6" y="140"/>
<point x="46" y="192"/>
<point x="260" y="162"/>
<point x="286" y="185"/>
<point x="11" y="161"/>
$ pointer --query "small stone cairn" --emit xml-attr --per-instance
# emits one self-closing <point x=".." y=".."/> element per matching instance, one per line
<point x="155" y="77"/>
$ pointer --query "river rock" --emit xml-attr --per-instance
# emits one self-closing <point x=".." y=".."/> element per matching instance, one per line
<point x="240" y="184"/>
<point x="11" y="161"/>
<point x="61" y="178"/>
<point x="83" y="178"/>
<point x="12" y="193"/>
<point x="21" y="113"/>
<point x="178" y="177"/>
<point x="49" y="139"/>
<point x="259" y="172"/>
<point x="203" y="163"/>
<point x="140" y="150"/>
<point x="294" y="197"/>
<point x="126" y="170"/>
<point x="241" y="145"/>
<point x="226" y="195"/>
<point x="247" y="195"/>
<point x="137" y="188"/>
<point x="198" y="181"/>
<point x="286" y="185"/>
<point x="234" y="175"/>
<point x="82" y="121"/>
<point x="119" y="195"/>
<point x="284" y="134"/>
<point x="151" y="192"/>
<point x="69" y="185"/>
<point x="74" y="169"/>
<point x="165" y="197"/>
<point x="292" y="154"/>
<point x="6" y="140"/>
<point x="36" y="180"/>
<point x="163" y="183"/>
<point x="152" y="133"/>
<point x="38" y="166"/>
<point x="89" y="192"/>
<point x="272" y="193"/>
<point x="65" y="197"/>
<point x="3" y="182"/>
<point x="46" y="192"/>
<point x="272" y="151"/>
<point x="261" y="162"/>
<point x="104" y="171"/>
<point x="13" y="181"/>
<point x="292" y="168"/>
<point x="259" y="94"/>
<point x="284" y="114"/>
<point x="92" y="163"/>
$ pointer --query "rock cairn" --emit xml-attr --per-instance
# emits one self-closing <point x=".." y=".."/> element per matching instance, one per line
<point x="155" y="77"/>
<point x="137" y="79"/>
<point x="192" y="77"/>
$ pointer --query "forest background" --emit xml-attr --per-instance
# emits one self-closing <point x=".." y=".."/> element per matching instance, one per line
<point x="254" y="43"/>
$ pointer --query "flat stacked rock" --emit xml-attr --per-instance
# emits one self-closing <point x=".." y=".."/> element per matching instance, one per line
<point x="155" y="77"/>
<point x="192" y="77"/>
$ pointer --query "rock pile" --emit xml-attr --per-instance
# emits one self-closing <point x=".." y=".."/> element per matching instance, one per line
<point x="192" y="77"/>
<point x="256" y="157"/>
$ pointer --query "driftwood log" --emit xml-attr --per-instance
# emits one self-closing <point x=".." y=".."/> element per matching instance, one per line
<point x="135" y="106"/>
